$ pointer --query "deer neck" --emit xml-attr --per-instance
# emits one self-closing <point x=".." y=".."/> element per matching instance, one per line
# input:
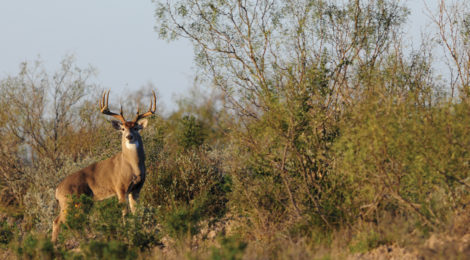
<point x="133" y="153"/>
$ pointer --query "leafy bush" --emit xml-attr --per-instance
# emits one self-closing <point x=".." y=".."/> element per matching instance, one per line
<point x="190" y="132"/>
<point x="137" y="230"/>
<point x="108" y="250"/>
<point x="182" y="221"/>
<point x="231" y="247"/>
<point x="188" y="189"/>
<point x="405" y="166"/>
<point x="365" y="241"/>
<point x="104" y="222"/>
<point x="78" y="210"/>
<point x="34" y="247"/>
<point x="6" y="233"/>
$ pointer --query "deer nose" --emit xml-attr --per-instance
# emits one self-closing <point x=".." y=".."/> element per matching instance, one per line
<point x="130" y="137"/>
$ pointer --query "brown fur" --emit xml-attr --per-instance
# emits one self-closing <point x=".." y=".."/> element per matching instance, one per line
<point x="121" y="175"/>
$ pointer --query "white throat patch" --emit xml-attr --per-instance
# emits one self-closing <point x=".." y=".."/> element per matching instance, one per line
<point x="132" y="145"/>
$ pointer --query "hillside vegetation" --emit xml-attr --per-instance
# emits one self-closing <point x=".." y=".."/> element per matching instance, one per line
<point x="323" y="136"/>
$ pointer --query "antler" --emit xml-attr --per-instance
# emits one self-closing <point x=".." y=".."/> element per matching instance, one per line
<point x="105" y="110"/>
<point x="152" y="108"/>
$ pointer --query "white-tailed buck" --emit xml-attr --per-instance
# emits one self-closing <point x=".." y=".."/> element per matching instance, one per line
<point x="121" y="175"/>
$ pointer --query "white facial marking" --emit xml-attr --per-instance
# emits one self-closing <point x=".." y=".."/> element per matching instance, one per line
<point x="132" y="145"/>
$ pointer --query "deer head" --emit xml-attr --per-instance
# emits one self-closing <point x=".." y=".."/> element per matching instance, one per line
<point x="130" y="129"/>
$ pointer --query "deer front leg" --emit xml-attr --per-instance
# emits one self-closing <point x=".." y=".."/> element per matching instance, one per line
<point x="133" y="201"/>
<point x="122" y="201"/>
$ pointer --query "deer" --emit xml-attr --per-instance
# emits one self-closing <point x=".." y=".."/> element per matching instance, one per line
<point x="122" y="175"/>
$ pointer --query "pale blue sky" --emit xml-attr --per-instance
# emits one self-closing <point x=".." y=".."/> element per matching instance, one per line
<point x="116" y="37"/>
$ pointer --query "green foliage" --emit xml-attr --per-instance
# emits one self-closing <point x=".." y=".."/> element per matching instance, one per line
<point x="182" y="221"/>
<point x="188" y="189"/>
<point x="365" y="241"/>
<point x="183" y="177"/>
<point x="144" y="233"/>
<point x="108" y="217"/>
<point x="111" y="250"/>
<point x="190" y="132"/>
<point x="323" y="134"/>
<point x="230" y="248"/>
<point x="77" y="211"/>
<point x="342" y="129"/>
<point x="34" y="247"/>
<point x="6" y="233"/>
<point x="404" y="166"/>
<point x="134" y="231"/>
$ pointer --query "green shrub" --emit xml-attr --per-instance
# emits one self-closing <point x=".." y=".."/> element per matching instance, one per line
<point x="189" y="188"/>
<point x="405" y="159"/>
<point x="365" y="241"/>
<point x="109" y="250"/>
<point x="231" y="247"/>
<point x="137" y="230"/>
<point x="6" y="233"/>
<point x="182" y="221"/>
<point x="104" y="222"/>
<point x="78" y="210"/>
<point x="34" y="247"/>
<point x="190" y="132"/>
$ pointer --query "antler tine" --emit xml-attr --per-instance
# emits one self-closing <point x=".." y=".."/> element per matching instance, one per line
<point x="154" y="103"/>
<point x="104" y="102"/>
<point x="107" y="98"/>
<point x="152" y="108"/>
<point x="101" y="103"/>
<point x="105" y="109"/>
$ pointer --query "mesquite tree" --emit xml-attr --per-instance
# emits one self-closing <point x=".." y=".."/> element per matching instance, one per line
<point x="287" y="69"/>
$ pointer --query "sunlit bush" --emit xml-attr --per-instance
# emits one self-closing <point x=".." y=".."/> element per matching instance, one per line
<point x="403" y="158"/>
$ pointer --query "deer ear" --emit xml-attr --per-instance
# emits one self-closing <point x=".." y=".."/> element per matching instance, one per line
<point x="142" y="123"/>
<point x="116" y="124"/>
